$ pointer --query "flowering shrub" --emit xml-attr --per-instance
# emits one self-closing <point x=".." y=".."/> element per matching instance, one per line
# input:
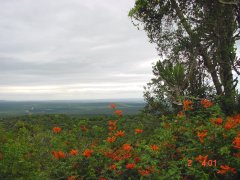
<point x="138" y="131"/>
<point x="206" y="103"/>
<point x="113" y="106"/>
<point x="118" y="112"/>
<point x="187" y="105"/>
<point x="57" y="129"/>
<point x="197" y="143"/>
<point x="74" y="152"/>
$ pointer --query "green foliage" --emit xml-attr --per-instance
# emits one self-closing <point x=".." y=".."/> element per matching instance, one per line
<point x="172" y="81"/>
<point x="199" y="34"/>
<point x="168" y="148"/>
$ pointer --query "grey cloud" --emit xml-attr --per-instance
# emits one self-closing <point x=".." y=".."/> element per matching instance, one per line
<point x="70" y="41"/>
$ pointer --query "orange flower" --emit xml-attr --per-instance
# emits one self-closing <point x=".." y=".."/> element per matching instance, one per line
<point x="126" y="156"/>
<point x="225" y="168"/>
<point x="113" y="106"/>
<point x="116" y="158"/>
<point x="127" y="147"/>
<point x="58" y="154"/>
<point x="57" y="129"/>
<point x="112" y="128"/>
<point x="218" y="121"/>
<point x="180" y="114"/>
<point x="118" y="112"/>
<point x="120" y="133"/>
<point x="113" y="167"/>
<point x="138" y="131"/>
<point x="154" y="147"/>
<point x="236" y="119"/>
<point x="111" y="139"/>
<point x="228" y="126"/>
<point x="87" y="153"/>
<point x="74" y="152"/>
<point x="130" y="165"/>
<point x="55" y="154"/>
<point x="231" y="123"/>
<point x="112" y="123"/>
<point x="206" y="103"/>
<point x="201" y="136"/>
<point x="61" y="154"/>
<point x="144" y="172"/>
<point x="71" y="178"/>
<point x="236" y="142"/>
<point x="92" y="145"/>
<point x="187" y="105"/>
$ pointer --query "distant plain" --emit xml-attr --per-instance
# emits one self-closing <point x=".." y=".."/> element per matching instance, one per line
<point x="84" y="107"/>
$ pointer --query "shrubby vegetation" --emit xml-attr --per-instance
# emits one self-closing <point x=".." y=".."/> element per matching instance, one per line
<point x="198" y="143"/>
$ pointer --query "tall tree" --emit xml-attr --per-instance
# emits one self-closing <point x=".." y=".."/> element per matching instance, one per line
<point x="196" y="30"/>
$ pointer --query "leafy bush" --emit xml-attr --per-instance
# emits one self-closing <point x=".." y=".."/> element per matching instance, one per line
<point x="198" y="143"/>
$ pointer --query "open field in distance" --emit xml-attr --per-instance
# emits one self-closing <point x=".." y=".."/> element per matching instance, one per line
<point x="86" y="107"/>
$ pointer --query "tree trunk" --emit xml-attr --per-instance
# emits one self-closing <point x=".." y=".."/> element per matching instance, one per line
<point x="196" y="43"/>
<point x="227" y="55"/>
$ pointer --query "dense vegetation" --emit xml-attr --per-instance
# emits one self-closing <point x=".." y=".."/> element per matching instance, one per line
<point x="196" y="42"/>
<point x="198" y="143"/>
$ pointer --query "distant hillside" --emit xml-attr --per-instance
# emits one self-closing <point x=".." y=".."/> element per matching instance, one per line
<point x="85" y="107"/>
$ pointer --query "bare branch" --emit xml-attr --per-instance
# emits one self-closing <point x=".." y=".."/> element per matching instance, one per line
<point x="233" y="2"/>
<point x="237" y="36"/>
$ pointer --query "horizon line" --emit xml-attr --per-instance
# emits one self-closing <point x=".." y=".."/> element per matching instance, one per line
<point x="102" y="99"/>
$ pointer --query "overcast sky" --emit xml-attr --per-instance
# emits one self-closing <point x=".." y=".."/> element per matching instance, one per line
<point x="72" y="49"/>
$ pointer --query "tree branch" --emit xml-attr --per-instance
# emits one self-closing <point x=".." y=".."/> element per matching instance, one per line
<point x="228" y="2"/>
<point x="196" y="43"/>
<point x="237" y="36"/>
